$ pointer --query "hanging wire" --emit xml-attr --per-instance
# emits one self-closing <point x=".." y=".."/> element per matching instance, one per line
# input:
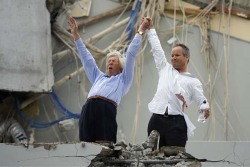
<point x="226" y="39"/>
<point x="133" y="18"/>
<point x="174" y="33"/>
<point x="36" y="124"/>
<point x="33" y="123"/>
<point x="122" y="13"/>
<point x="62" y="108"/>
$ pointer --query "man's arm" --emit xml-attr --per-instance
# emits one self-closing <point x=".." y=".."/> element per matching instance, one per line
<point x="91" y="69"/>
<point x="156" y="48"/>
<point x="73" y="28"/>
<point x="128" y="71"/>
<point x="200" y="99"/>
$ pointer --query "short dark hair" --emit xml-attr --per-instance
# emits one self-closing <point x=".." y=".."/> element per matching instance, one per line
<point x="185" y="49"/>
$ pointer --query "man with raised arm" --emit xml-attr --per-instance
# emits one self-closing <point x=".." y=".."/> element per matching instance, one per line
<point x="98" y="117"/>
<point x="176" y="90"/>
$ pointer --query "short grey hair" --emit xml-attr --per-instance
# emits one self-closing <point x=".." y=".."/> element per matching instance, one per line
<point x="121" y="58"/>
<point x="185" y="49"/>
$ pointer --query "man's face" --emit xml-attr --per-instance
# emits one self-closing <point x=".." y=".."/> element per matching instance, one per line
<point x="113" y="66"/>
<point x="178" y="60"/>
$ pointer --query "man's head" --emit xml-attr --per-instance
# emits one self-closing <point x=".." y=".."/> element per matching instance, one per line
<point x="114" y="63"/>
<point x="180" y="56"/>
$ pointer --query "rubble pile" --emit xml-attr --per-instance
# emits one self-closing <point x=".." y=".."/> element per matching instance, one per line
<point x="145" y="155"/>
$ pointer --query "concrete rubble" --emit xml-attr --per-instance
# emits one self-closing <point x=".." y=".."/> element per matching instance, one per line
<point x="145" y="155"/>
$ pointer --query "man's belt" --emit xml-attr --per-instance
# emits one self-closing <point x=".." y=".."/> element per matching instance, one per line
<point x="168" y="116"/>
<point x="103" y="98"/>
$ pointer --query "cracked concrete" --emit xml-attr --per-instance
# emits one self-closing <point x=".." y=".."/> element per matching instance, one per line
<point x="231" y="154"/>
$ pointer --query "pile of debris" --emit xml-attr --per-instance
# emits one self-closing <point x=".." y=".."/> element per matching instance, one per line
<point x="146" y="155"/>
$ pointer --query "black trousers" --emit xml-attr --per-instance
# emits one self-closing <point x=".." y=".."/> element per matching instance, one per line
<point x="172" y="129"/>
<point x="98" y="121"/>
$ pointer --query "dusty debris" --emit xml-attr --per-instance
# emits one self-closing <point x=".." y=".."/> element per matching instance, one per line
<point x="146" y="155"/>
<point x="47" y="146"/>
<point x="138" y="156"/>
<point x="152" y="141"/>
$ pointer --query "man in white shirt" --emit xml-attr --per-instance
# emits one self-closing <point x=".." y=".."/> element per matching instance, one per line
<point x="176" y="90"/>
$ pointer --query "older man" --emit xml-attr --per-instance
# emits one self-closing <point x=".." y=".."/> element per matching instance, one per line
<point x="98" y="117"/>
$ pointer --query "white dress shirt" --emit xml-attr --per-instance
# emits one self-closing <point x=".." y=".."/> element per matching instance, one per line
<point x="170" y="83"/>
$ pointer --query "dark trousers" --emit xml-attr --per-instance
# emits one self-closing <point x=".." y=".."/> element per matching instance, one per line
<point x="172" y="129"/>
<point x="98" y="121"/>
